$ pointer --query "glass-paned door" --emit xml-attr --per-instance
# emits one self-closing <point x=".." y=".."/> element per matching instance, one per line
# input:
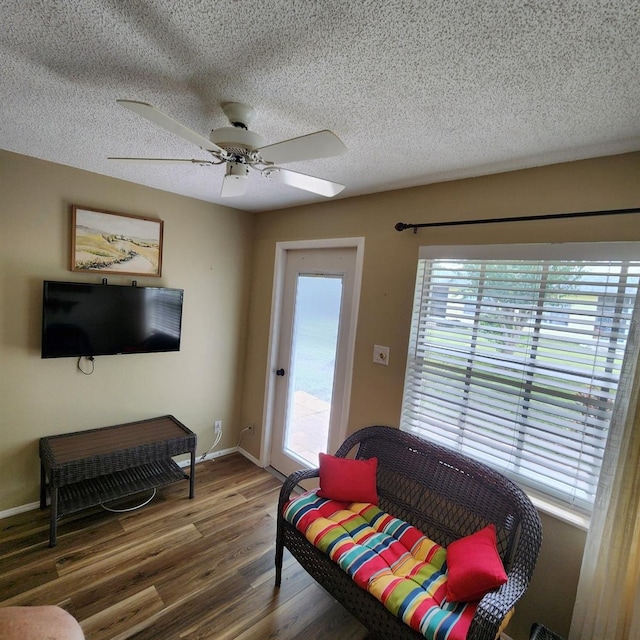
<point x="313" y="341"/>
<point x="313" y="359"/>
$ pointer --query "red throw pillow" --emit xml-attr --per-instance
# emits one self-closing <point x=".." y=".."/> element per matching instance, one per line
<point x="348" y="480"/>
<point x="473" y="566"/>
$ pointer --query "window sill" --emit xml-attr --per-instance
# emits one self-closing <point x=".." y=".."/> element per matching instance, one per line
<point x="558" y="511"/>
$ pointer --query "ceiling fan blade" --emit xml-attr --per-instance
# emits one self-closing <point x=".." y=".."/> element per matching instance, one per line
<point x="169" y="124"/>
<point x="165" y="160"/>
<point x="321" y="144"/>
<point x="302" y="181"/>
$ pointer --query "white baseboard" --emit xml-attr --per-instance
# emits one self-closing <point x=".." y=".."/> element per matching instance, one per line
<point x="14" y="511"/>
<point x="209" y="456"/>
<point x="248" y="456"/>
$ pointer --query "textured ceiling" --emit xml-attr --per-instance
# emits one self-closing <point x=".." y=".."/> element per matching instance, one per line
<point x="419" y="91"/>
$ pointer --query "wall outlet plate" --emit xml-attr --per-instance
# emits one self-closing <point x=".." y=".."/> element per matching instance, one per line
<point x="381" y="354"/>
<point x="218" y="426"/>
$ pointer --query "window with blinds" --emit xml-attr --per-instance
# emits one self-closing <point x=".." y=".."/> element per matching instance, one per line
<point x="515" y="355"/>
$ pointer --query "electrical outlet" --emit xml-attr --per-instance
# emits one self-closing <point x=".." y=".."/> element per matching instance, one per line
<point x="218" y="426"/>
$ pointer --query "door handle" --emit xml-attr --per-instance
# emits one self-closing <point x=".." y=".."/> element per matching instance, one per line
<point x="280" y="372"/>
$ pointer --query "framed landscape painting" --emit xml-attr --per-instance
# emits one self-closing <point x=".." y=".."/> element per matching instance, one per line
<point x="109" y="242"/>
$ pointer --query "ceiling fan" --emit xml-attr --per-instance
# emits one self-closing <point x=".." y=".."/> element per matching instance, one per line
<point x="240" y="149"/>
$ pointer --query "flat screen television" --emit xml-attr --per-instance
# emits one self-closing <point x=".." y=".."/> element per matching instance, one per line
<point x="99" y="319"/>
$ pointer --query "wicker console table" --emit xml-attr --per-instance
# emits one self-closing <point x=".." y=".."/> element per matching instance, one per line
<point x="88" y="468"/>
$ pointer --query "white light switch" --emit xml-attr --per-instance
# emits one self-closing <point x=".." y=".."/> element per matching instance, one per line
<point x="380" y="354"/>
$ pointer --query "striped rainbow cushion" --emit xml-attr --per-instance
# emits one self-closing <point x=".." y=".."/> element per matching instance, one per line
<point x="389" y="558"/>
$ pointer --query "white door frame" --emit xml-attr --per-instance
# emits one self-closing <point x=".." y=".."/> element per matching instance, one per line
<point x="274" y="332"/>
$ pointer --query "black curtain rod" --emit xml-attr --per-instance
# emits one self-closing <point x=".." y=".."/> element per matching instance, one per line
<point x="402" y="226"/>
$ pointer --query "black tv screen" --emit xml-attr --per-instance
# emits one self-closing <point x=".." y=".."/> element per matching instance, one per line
<point x="100" y="319"/>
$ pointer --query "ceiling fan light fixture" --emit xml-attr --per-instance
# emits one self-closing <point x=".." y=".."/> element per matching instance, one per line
<point x="237" y="170"/>
<point x="234" y="182"/>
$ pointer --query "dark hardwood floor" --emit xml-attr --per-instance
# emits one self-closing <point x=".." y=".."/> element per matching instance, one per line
<point x="177" y="568"/>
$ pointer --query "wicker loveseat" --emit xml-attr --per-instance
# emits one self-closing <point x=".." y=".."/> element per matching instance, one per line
<point x="444" y="494"/>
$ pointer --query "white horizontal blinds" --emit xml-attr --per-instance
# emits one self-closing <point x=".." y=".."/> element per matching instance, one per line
<point x="516" y="362"/>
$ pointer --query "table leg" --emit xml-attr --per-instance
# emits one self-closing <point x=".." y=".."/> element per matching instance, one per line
<point x="192" y="474"/>
<point x="43" y="487"/>
<point x="53" y="517"/>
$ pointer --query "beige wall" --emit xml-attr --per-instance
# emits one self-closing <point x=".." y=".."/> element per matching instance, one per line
<point x="207" y="252"/>
<point x="387" y="291"/>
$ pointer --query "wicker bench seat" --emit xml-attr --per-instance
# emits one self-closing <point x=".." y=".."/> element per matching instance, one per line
<point x="445" y="495"/>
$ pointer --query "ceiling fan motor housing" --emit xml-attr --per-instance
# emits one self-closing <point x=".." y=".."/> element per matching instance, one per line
<point x="236" y="141"/>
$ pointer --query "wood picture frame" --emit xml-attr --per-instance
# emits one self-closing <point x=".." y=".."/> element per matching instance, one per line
<point x="119" y="243"/>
